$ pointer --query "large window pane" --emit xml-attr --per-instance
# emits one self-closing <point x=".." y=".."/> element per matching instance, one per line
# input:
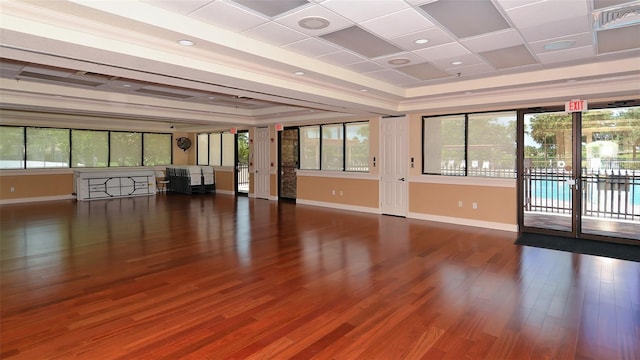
<point x="89" y="148"/>
<point x="47" y="148"/>
<point x="126" y="149"/>
<point x="157" y="149"/>
<point x="310" y="147"/>
<point x="228" y="149"/>
<point x="11" y="147"/>
<point x="203" y="149"/>
<point x="332" y="147"/>
<point x="357" y="147"/>
<point x="444" y="145"/>
<point x="215" y="149"/>
<point x="491" y="144"/>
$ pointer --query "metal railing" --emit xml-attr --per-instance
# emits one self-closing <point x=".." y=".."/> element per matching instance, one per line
<point x="606" y="193"/>
<point x="243" y="177"/>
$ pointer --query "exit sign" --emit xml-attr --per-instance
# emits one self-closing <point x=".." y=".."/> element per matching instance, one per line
<point x="575" y="106"/>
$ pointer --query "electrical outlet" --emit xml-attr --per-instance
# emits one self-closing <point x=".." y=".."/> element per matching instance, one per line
<point x="474" y="206"/>
<point x="12" y="189"/>
<point x="459" y="203"/>
<point x="333" y="192"/>
<point x="341" y="193"/>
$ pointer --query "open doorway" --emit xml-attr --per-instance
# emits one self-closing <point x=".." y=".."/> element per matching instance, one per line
<point x="242" y="162"/>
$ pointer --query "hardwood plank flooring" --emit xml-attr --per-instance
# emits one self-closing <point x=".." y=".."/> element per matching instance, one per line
<point x="215" y="277"/>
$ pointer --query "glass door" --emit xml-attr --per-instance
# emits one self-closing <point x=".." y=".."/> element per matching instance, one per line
<point x="580" y="174"/>
<point x="548" y="179"/>
<point x="610" y="150"/>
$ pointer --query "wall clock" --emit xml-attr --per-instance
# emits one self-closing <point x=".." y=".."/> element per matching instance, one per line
<point x="183" y="143"/>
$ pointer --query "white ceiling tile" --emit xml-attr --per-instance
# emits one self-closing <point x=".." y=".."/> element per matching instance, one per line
<point x="582" y="40"/>
<point x="475" y="69"/>
<point x="444" y="51"/>
<point x="387" y="26"/>
<point x="510" y="4"/>
<point x="312" y="47"/>
<point x="228" y="16"/>
<point x="365" y="66"/>
<point x="543" y="12"/>
<point x="556" y="29"/>
<point x="275" y="34"/>
<point x="363" y="10"/>
<point x="336" y="22"/>
<point x="467" y="60"/>
<point x="413" y="59"/>
<point x="183" y="7"/>
<point x="493" y="41"/>
<point x="341" y="58"/>
<point x="567" y="55"/>
<point x="436" y="36"/>
<point x="390" y="76"/>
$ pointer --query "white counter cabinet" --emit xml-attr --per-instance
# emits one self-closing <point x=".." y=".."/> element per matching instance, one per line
<point x="93" y="184"/>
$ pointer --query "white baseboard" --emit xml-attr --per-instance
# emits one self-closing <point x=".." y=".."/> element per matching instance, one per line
<point x="339" y="206"/>
<point x="226" y="192"/>
<point x="37" y="199"/>
<point x="465" y="222"/>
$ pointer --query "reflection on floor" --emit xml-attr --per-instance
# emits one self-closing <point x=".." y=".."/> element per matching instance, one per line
<point x="590" y="225"/>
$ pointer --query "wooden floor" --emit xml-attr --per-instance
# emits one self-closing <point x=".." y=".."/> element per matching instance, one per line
<point x="214" y="277"/>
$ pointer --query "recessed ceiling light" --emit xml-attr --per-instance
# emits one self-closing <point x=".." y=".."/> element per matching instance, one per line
<point x="456" y="63"/>
<point x="299" y="73"/>
<point x="126" y="85"/>
<point x="185" y="42"/>
<point x="399" y="61"/>
<point x="421" y="41"/>
<point x="364" y="90"/>
<point x="313" y="23"/>
<point x="560" y="45"/>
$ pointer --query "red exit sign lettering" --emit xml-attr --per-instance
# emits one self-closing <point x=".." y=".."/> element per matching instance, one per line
<point x="575" y="106"/>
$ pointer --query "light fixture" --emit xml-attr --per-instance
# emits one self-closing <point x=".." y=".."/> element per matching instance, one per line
<point x="364" y="90"/>
<point x="299" y="73"/>
<point x="456" y="63"/>
<point x="560" y="45"/>
<point x="313" y="23"/>
<point x="186" y="42"/>
<point x="421" y="41"/>
<point x="126" y="85"/>
<point x="399" y="61"/>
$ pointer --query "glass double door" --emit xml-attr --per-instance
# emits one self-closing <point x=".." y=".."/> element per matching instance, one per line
<point x="580" y="173"/>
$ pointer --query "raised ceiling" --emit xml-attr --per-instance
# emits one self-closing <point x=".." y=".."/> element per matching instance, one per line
<point x="256" y="62"/>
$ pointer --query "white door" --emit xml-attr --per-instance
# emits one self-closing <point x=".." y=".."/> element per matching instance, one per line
<point x="261" y="175"/>
<point x="394" y="163"/>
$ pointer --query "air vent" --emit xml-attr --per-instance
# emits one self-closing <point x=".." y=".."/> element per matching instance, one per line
<point x="163" y="93"/>
<point x="616" y="17"/>
<point x="58" y="79"/>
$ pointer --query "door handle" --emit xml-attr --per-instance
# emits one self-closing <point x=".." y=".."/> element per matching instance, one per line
<point x="401" y="179"/>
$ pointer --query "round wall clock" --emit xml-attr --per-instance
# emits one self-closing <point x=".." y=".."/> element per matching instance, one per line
<point x="183" y="143"/>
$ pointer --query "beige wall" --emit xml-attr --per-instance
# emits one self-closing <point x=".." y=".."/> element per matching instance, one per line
<point x="224" y="180"/>
<point x="31" y="185"/>
<point x="345" y="191"/>
<point x="181" y="157"/>
<point x="494" y="204"/>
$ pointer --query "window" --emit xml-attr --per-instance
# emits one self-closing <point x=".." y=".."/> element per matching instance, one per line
<point x="357" y="147"/>
<point x="156" y="149"/>
<point x="228" y="149"/>
<point x="215" y="149"/>
<point x="332" y="147"/>
<point x="203" y="149"/>
<point x="47" y="148"/>
<point x="310" y="147"/>
<point x="444" y="151"/>
<point x="11" y="147"/>
<point x="470" y="144"/>
<point x="89" y="148"/>
<point x="126" y="149"/>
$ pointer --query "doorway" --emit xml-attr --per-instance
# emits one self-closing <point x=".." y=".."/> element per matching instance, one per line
<point x="289" y="155"/>
<point x="580" y="173"/>
<point x="261" y="163"/>
<point x="242" y="162"/>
